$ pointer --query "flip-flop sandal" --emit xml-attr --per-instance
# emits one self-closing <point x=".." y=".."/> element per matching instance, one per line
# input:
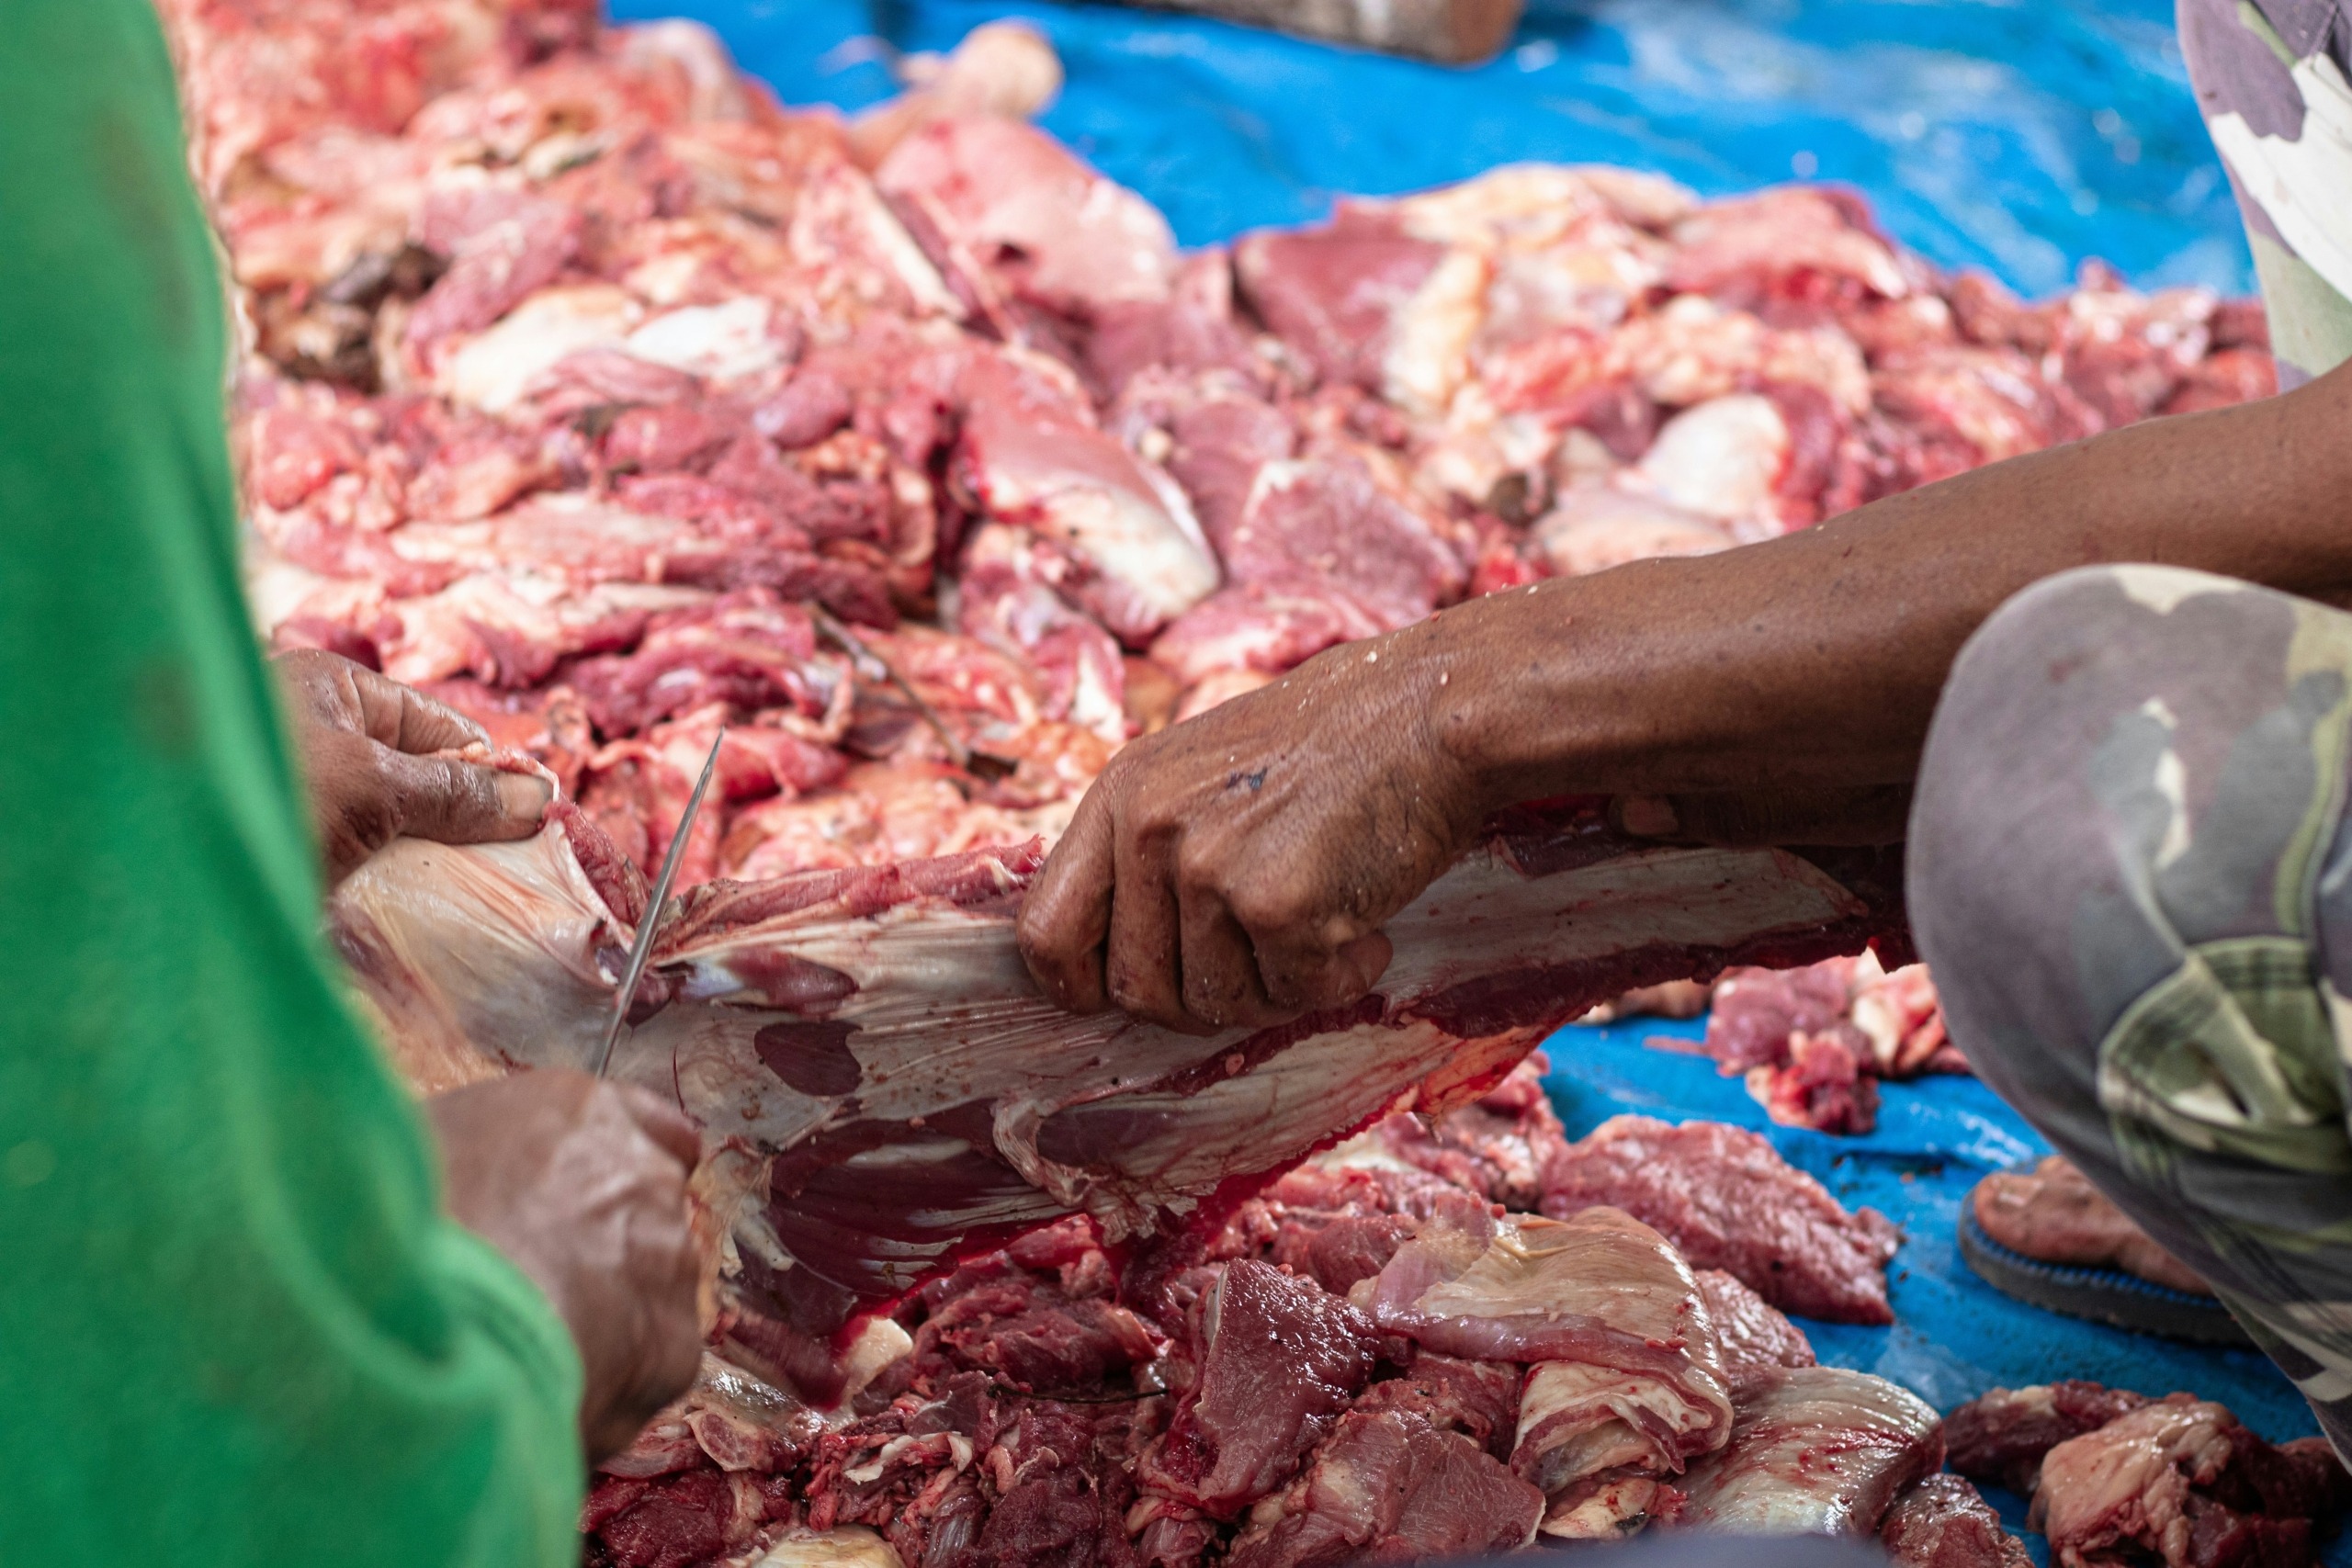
<point x="2102" y="1295"/>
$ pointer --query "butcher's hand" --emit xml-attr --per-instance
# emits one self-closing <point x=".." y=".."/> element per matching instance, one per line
<point x="582" y="1186"/>
<point x="367" y="745"/>
<point x="1235" y="870"/>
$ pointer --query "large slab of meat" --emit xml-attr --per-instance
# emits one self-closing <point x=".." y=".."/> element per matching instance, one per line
<point x="883" y="1089"/>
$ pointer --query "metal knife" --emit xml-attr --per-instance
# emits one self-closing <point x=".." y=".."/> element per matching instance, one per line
<point x="653" y="906"/>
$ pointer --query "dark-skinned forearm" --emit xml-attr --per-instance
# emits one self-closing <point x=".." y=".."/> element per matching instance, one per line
<point x="1813" y="661"/>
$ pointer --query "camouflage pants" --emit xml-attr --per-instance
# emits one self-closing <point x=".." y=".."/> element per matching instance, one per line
<point x="2131" y="873"/>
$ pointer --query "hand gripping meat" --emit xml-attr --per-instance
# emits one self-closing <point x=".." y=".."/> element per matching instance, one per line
<point x="882" y="1090"/>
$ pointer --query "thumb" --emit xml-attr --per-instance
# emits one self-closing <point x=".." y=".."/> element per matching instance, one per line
<point x="662" y="1122"/>
<point x="453" y="801"/>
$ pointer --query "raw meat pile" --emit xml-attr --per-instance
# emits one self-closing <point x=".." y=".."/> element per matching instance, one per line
<point x="587" y="389"/>
<point x="2117" y="1477"/>
<point x="1811" y="1042"/>
<point x="578" y="372"/>
<point x="1381" y="1357"/>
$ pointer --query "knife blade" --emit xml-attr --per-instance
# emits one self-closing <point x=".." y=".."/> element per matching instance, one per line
<point x="653" y="906"/>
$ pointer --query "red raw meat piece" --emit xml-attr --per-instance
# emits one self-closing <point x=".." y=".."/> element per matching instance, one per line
<point x="1729" y="1202"/>
<point x="1822" y="1085"/>
<point x="1338" y="1223"/>
<point x="1297" y="589"/>
<point x="290" y="453"/>
<point x="1749" y="1329"/>
<point x="681" y="1521"/>
<point x="636" y="789"/>
<point x="1754" y="247"/>
<point x="1977" y="403"/>
<point x="752" y="470"/>
<point x="2222" y="378"/>
<point x="810" y="407"/>
<point x="1069" y="1495"/>
<point x="1278" y="1358"/>
<point x="1477" y="1399"/>
<point x="2180" y="1478"/>
<point x="1999" y="1436"/>
<point x="1012" y="598"/>
<point x="1333" y="293"/>
<point x="663" y="439"/>
<point x="1269" y="627"/>
<point x="1011" y="214"/>
<point x="1216" y="431"/>
<point x="906" y="1469"/>
<point x="997" y="1316"/>
<point x="504" y="244"/>
<point x="1337" y="1250"/>
<point x="1030" y="452"/>
<point x="1942" y="1523"/>
<point x="749" y="650"/>
<point x="1388" y="1487"/>
<point x="1191" y="330"/>
<point x="1498" y="1144"/>
<point x="1328" y="516"/>
<point x="1812" y="1042"/>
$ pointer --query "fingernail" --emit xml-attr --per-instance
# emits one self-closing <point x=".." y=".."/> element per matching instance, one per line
<point x="524" y="795"/>
<point x="1647" y="816"/>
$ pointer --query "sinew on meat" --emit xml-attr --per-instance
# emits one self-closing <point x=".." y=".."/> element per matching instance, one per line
<point x="1815" y="1451"/>
<point x="1624" y="1379"/>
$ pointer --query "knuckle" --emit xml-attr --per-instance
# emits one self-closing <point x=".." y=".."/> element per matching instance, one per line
<point x="1262" y="907"/>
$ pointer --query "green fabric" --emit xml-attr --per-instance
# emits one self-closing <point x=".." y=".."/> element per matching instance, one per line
<point x="2310" y="323"/>
<point x="234" y="1328"/>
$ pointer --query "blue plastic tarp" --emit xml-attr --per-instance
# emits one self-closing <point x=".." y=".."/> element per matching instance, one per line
<point x="2022" y="136"/>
